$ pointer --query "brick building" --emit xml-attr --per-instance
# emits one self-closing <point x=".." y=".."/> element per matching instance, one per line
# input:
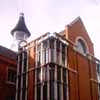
<point x="7" y="74"/>
<point x="60" y="66"/>
<point x="57" y="66"/>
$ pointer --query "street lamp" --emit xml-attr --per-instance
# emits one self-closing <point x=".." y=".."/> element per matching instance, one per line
<point x="20" y="34"/>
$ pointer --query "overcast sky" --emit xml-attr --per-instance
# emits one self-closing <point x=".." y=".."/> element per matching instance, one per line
<point x="43" y="16"/>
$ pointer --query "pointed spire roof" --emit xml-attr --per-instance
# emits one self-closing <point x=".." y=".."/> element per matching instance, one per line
<point x="21" y="26"/>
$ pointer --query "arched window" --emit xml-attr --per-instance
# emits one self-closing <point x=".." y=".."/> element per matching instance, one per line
<point x="81" y="47"/>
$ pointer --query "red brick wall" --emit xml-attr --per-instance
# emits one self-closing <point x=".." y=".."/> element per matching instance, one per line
<point x="84" y="80"/>
<point x="6" y="89"/>
<point x="77" y="29"/>
<point x="79" y="68"/>
<point x="80" y="71"/>
<point x="93" y="81"/>
<point x="72" y="75"/>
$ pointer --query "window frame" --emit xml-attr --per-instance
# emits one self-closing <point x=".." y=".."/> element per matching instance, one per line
<point x="12" y="69"/>
<point x="85" y="45"/>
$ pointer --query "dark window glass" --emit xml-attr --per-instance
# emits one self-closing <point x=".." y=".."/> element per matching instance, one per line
<point x="99" y="87"/>
<point x="63" y="59"/>
<point x="45" y="92"/>
<point x="51" y="41"/>
<point x="58" y="57"/>
<point x="38" y="92"/>
<point x="39" y="58"/>
<point x="64" y="75"/>
<point x="63" y="54"/>
<point x="45" y="51"/>
<point x="25" y="61"/>
<point x="20" y="62"/>
<point x="19" y="87"/>
<point x="81" y="46"/>
<point x="59" y="91"/>
<point x="25" y="65"/>
<point x="45" y="44"/>
<point x="99" y="91"/>
<point x="39" y="55"/>
<point x="52" y="55"/>
<point x="64" y="92"/>
<point x="46" y="73"/>
<point x="52" y="74"/>
<point x="58" y="51"/>
<point x="25" y="55"/>
<point x="24" y="81"/>
<point x="23" y="93"/>
<point x="64" y="83"/>
<point x="59" y="73"/>
<point x="10" y="98"/>
<point x="18" y="94"/>
<point x="59" y="82"/>
<point x="38" y="75"/>
<point x="44" y="56"/>
<point x="58" y="45"/>
<point x="11" y="75"/>
<point x="98" y="68"/>
<point x="52" y="90"/>
<point x="19" y="82"/>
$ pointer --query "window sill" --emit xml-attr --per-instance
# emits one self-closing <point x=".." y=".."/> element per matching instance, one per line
<point x="9" y="82"/>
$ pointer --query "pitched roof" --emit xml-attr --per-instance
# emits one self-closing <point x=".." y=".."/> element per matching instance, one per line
<point x="8" y="53"/>
<point x="78" y="19"/>
<point x="21" y="26"/>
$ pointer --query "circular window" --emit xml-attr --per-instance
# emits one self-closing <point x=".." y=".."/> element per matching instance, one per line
<point x="81" y="46"/>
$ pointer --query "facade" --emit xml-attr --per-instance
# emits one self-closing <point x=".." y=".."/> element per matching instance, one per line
<point x="60" y="71"/>
<point x="7" y="74"/>
<point x="59" y="66"/>
<point x="63" y="66"/>
<point x="55" y="66"/>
